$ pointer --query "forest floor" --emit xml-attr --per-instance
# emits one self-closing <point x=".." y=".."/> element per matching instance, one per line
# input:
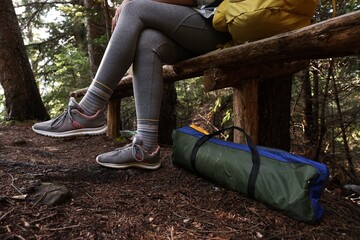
<point x="169" y="203"/>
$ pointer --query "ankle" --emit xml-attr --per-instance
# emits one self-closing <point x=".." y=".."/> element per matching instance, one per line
<point x="149" y="149"/>
<point x="153" y="151"/>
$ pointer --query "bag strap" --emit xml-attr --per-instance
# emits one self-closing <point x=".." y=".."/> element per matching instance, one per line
<point x="254" y="155"/>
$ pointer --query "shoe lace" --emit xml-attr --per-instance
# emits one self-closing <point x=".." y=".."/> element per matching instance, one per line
<point x="61" y="118"/>
<point x="137" y="152"/>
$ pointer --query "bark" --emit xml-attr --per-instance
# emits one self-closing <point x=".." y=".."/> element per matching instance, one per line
<point x="262" y="109"/>
<point x="113" y="116"/>
<point x="96" y="27"/>
<point x="335" y="37"/>
<point x="274" y="112"/>
<point x="246" y="108"/>
<point x="22" y="95"/>
<point x="218" y="78"/>
<point x="315" y="100"/>
<point x="308" y="119"/>
<point x="168" y="114"/>
<point x="323" y="126"/>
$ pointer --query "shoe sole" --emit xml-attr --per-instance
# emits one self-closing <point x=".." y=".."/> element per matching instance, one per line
<point x="77" y="132"/>
<point x="130" y="165"/>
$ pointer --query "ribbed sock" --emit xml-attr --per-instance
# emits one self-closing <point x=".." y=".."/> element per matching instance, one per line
<point x="95" y="98"/>
<point x="148" y="130"/>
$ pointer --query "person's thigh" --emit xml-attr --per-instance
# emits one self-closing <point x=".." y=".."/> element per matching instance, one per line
<point x="182" y="24"/>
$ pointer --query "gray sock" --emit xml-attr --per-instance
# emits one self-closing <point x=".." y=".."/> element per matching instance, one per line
<point x="148" y="132"/>
<point x="95" y="98"/>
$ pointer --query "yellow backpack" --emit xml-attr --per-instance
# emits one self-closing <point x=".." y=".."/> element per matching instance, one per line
<point x="250" y="20"/>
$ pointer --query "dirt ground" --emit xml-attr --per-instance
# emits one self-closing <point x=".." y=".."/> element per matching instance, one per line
<point x="169" y="203"/>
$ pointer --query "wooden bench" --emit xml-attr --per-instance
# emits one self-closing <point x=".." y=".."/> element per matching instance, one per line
<point x="242" y="67"/>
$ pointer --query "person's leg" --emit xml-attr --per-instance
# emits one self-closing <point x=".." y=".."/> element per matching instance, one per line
<point x="181" y="24"/>
<point x="153" y="49"/>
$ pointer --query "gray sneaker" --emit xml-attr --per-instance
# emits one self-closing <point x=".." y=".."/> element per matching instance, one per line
<point x="72" y="122"/>
<point x="131" y="155"/>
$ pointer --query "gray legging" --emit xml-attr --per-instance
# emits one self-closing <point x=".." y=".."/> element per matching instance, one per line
<point x="147" y="35"/>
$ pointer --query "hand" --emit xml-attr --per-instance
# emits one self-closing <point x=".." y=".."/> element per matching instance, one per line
<point x="117" y="13"/>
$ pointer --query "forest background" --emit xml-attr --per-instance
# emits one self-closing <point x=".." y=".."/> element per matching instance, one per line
<point x="65" y="41"/>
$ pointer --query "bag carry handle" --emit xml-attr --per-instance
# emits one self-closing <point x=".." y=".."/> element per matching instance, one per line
<point x="254" y="155"/>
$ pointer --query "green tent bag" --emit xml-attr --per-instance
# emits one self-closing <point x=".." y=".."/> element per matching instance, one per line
<point x="280" y="180"/>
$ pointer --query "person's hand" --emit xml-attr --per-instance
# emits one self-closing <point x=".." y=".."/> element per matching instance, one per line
<point x="117" y="13"/>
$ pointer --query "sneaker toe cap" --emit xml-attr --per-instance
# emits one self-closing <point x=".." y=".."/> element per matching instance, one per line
<point x="42" y="125"/>
<point x="109" y="157"/>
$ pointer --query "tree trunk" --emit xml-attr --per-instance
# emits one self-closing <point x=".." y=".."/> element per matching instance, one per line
<point x="274" y="112"/>
<point x="96" y="26"/>
<point x="322" y="126"/>
<point x="343" y="134"/>
<point x="315" y="101"/>
<point x="168" y="114"/>
<point x="308" y="120"/>
<point x="22" y="95"/>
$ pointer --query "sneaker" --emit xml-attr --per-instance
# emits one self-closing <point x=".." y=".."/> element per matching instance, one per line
<point x="131" y="155"/>
<point x="73" y="122"/>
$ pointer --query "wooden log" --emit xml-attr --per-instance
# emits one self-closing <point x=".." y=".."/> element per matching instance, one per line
<point x="218" y="78"/>
<point x="245" y="110"/>
<point x="113" y="118"/>
<point x="336" y="37"/>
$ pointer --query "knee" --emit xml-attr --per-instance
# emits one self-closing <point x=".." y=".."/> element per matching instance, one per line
<point x="152" y="41"/>
<point x="133" y="5"/>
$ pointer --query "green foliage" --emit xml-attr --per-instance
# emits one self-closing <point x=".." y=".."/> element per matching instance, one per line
<point x="55" y="35"/>
<point x="70" y="71"/>
<point x="195" y="105"/>
<point x="128" y="114"/>
<point x="189" y="95"/>
<point x="347" y="78"/>
<point x="339" y="111"/>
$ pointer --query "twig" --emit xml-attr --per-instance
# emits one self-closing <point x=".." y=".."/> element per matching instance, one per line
<point x="43" y="218"/>
<point x="179" y="215"/>
<point x="20" y="227"/>
<point x="18" y="236"/>
<point x="87" y="194"/>
<point x="13" y="185"/>
<point x="203" y="210"/>
<point x="63" y="228"/>
<point x="209" y="123"/>
<point x="208" y="231"/>
<point x="3" y="216"/>
<point x="43" y="195"/>
<point x="171" y="233"/>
